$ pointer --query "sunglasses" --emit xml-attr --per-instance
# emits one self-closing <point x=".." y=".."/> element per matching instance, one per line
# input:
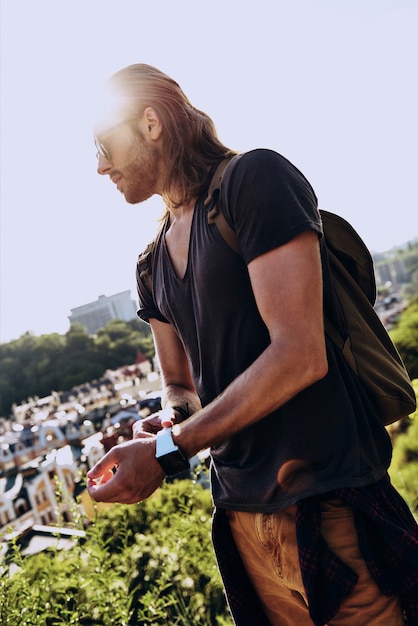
<point x="101" y="150"/>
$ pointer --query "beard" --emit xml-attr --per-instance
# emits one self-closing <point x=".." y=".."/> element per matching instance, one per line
<point x="141" y="173"/>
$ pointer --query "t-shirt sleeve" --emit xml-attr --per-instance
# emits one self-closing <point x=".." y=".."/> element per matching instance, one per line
<point x="268" y="202"/>
<point x="147" y="307"/>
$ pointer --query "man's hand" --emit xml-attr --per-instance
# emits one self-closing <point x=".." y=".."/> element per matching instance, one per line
<point x="128" y="473"/>
<point x="150" y="425"/>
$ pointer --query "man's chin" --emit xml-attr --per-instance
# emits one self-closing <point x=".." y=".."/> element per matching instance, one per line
<point x="130" y="200"/>
<point x="136" y="198"/>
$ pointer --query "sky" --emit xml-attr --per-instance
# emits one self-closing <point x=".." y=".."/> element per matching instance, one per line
<point x="330" y="84"/>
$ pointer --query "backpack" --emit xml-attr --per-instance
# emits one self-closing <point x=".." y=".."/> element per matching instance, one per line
<point x="350" y="320"/>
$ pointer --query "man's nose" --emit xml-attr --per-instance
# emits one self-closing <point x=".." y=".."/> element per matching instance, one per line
<point x="103" y="165"/>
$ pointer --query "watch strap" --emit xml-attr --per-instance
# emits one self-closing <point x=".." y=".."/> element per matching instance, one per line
<point x="168" y="454"/>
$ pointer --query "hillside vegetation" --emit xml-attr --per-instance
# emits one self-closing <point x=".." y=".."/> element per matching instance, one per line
<point x="150" y="563"/>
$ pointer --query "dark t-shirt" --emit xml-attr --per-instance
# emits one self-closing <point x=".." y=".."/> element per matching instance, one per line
<point x="324" y="438"/>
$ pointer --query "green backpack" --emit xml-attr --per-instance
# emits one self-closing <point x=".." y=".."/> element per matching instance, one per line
<point x="350" y="319"/>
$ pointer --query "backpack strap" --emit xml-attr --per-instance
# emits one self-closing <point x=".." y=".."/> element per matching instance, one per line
<point x="145" y="261"/>
<point x="215" y="215"/>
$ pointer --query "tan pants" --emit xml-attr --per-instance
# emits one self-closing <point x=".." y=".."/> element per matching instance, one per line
<point x="268" y="548"/>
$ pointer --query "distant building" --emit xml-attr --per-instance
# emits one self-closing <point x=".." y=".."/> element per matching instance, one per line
<point x="96" y="315"/>
<point x="393" y="271"/>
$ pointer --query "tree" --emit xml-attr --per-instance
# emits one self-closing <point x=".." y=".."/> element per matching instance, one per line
<point x="119" y="342"/>
<point x="35" y="366"/>
<point x="29" y="367"/>
<point x="80" y="362"/>
<point x="411" y="288"/>
<point x="405" y="337"/>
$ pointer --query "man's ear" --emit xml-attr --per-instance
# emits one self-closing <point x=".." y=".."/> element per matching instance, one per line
<point x="151" y="122"/>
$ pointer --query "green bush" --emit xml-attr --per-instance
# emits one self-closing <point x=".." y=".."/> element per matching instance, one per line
<point x="404" y="467"/>
<point x="150" y="563"/>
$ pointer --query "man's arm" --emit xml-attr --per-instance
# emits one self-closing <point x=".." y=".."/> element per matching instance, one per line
<point x="178" y="386"/>
<point x="287" y="285"/>
<point x="179" y="399"/>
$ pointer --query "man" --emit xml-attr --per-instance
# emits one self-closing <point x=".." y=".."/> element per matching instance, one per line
<point x="299" y="458"/>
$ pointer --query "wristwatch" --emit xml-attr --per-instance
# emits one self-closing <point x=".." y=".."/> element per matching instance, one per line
<point x="168" y="455"/>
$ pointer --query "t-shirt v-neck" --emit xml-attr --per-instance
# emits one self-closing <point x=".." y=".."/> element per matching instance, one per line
<point x="167" y="253"/>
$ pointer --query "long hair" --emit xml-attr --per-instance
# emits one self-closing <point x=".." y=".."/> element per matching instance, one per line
<point x="190" y="142"/>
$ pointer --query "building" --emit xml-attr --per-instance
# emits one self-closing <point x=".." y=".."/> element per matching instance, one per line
<point x="392" y="271"/>
<point x="41" y="493"/>
<point x="96" y="315"/>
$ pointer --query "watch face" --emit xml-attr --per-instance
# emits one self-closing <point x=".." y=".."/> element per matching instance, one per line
<point x="173" y="463"/>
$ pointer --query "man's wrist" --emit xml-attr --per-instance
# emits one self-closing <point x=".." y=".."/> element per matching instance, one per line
<point x="169" y="455"/>
<point x="184" y="436"/>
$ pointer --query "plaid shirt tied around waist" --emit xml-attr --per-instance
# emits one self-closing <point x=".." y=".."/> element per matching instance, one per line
<point x="388" y="539"/>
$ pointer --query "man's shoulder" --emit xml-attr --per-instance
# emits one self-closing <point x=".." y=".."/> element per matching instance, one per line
<point x="267" y="169"/>
<point x="266" y="160"/>
<point x="262" y="155"/>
